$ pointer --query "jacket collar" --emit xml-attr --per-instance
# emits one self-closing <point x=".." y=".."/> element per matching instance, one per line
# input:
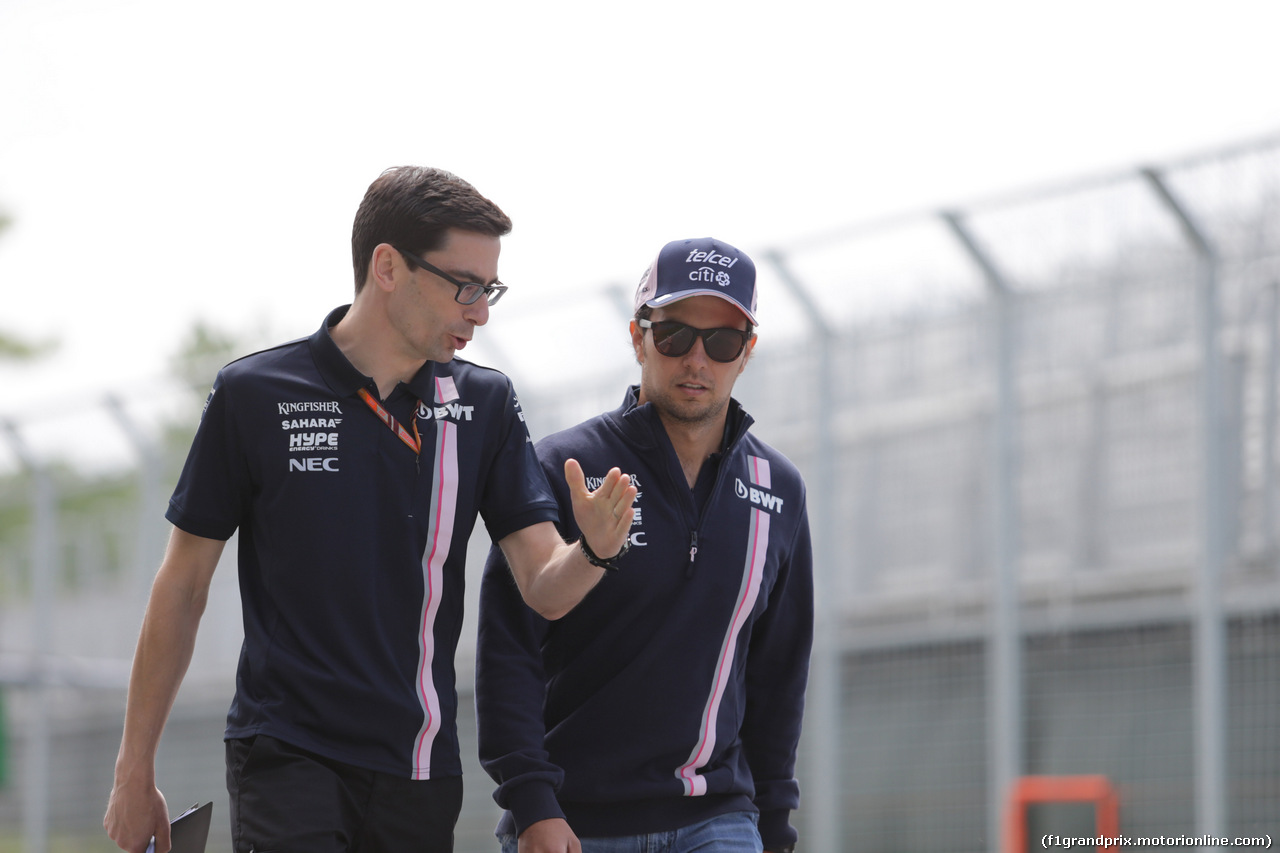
<point x="641" y="423"/>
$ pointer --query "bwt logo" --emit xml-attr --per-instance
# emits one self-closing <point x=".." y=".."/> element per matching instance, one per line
<point x="454" y="411"/>
<point x="314" y="463"/>
<point x="773" y="503"/>
<point x="707" y="274"/>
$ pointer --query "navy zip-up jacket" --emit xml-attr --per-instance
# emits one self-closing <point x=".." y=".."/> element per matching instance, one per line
<point x="674" y="691"/>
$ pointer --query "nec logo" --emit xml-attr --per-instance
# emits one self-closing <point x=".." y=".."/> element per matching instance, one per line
<point x="314" y="463"/>
<point x="772" y="503"/>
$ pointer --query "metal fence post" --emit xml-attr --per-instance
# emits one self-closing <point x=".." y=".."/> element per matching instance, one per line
<point x="1210" y="628"/>
<point x="1270" y="410"/>
<point x="822" y="797"/>
<point x="43" y="567"/>
<point x="1004" y="652"/>
<point x="150" y="513"/>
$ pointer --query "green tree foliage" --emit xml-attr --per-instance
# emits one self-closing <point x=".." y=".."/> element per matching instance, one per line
<point x="98" y="505"/>
<point x="205" y="351"/>
<point x="14" y="348"/>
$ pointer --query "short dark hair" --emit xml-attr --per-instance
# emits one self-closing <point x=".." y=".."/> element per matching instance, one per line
<point x="412" y="207"/>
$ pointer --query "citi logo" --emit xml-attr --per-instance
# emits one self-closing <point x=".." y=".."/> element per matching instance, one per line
<point x="707" y="274"/>
<point x="314" y="463"/>
<point x="452" y="411"/>
<point x="312" y="440"/>
<point x="759" y="497"/>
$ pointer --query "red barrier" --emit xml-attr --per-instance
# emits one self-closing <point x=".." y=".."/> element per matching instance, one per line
<point x="1060" y="789"/>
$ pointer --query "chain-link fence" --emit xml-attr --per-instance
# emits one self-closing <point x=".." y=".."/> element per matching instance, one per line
<point x="1040" y="441"/>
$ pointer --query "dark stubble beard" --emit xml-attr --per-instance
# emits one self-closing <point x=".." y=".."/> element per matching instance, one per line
<point x="675" y="414"/>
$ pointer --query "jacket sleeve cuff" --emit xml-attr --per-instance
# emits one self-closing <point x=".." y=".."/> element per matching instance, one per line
<point x="533" y="802"/>
<point x="776" y="831"/>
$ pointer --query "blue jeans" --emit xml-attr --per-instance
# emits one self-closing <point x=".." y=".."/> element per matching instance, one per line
<point x="730" y="833"/>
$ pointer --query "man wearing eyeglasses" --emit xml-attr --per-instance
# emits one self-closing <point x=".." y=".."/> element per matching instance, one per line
<point x="663" y="712"/>
<point x="354" y="464"/>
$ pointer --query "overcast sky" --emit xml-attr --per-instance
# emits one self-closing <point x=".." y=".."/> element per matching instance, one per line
<point x="166" y="161"/>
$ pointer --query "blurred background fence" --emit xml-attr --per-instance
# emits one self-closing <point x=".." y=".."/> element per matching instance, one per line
<point x="1040" y="437"/>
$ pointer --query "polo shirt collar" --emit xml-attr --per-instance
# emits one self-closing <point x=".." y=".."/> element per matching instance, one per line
<point x="343" y="377"/>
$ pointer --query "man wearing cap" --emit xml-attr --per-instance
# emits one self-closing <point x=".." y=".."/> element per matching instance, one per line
<point x="663" y="712"/>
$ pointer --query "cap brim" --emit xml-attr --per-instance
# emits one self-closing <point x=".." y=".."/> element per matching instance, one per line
<point x="668" y="298"/>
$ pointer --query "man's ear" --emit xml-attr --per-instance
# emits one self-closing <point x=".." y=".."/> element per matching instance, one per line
<point x="637" y="341"/>
<point x="382" y="267"/>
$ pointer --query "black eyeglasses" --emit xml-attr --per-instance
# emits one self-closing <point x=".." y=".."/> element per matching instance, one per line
<point x="675" y="339"/>
<point x="468" y="291"/>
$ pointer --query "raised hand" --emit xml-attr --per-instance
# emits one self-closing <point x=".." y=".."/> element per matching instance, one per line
<point x="603" y="516"/>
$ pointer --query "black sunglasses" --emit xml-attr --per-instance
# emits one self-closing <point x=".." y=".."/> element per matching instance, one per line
<point x="675" y="339"/>
<point x="468" y="291"/>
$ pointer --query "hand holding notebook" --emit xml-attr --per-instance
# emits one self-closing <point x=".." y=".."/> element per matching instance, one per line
<point x="189" y="831"/>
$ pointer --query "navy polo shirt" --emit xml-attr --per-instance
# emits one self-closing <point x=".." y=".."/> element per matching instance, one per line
<point x="352" y="547"/>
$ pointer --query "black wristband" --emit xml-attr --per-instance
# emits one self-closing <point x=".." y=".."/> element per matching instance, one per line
<point x="607" y="565"/>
